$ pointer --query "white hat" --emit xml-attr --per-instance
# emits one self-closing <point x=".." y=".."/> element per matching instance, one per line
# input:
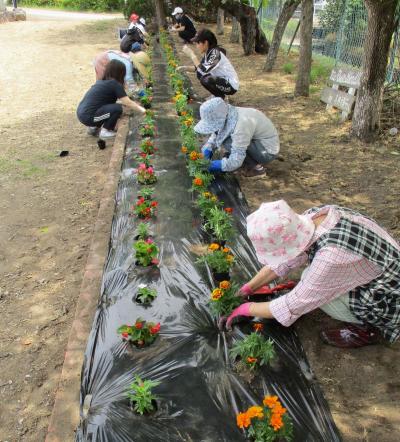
<point x="278" y="233"/>
<point x="177" y="10"/>
<point x="143" y="21"/>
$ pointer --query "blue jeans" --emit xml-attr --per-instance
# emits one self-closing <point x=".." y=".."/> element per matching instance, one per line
<point x="256" y="153"/>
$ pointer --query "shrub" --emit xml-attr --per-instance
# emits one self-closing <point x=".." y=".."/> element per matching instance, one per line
<point x="144" y="8"/>
<point x="288" y="68"/>
<point x="140" y="394"/>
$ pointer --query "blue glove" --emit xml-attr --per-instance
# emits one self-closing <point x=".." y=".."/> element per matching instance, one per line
<point x="141" y="93"/>
<point x="207" y="153"/>
<point x="216" y="166"/>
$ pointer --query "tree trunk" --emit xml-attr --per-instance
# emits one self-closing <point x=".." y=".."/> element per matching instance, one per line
<point x="160" y="13"/>
<point x="220" y="21"/>
<point x="305" y="56"/>
<point x="235" y="36"/>
<point x="286" y="14"/>
<point x="381" y="25"/>
<point x="253" y="38"/>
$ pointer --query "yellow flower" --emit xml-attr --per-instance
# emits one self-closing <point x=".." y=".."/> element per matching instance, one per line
<point x="213" y="246"/>
<point x="194" y="155"/>
<point x="206" y="194"/>
<point x="255" y="411"/>
<point x="214" y="198"/>
<point x="225" y="285"/>
<point x="230" y="258"/>
<point x="216" y="294"/>
<point x="184" y="149"/>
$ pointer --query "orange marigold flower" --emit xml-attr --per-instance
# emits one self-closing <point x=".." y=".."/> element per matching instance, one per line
<point x="183" y="113"/>
<point x="243" y="420"/>
<point x="188" y="122"/>
<point x="216" y="294"/>
<point x="251" y="360"/>
<point x="255" y="411"/>
<point x="200" y="155"/>
<point x="226" y="249"/>
<point x="184" y="149"/>
<point x="225" y="285"/>
<point x="214" y="246"/>
<point x="276" y="422"/>
<point x="278" y="409"/>
<point x="270" y="401"/>
<point x="258" y="326"/>
<point x="228" y="209"/>
<point x="194" y="155"/>
<point x="198" y="182"/>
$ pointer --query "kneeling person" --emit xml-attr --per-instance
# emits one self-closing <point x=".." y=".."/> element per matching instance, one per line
<point x="248" y="137"/>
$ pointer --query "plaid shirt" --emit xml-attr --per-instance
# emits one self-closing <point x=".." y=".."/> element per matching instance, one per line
<point x="347" y="253"/>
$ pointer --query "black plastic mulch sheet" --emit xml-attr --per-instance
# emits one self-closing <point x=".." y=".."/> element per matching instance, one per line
<point x="200" y="391"/>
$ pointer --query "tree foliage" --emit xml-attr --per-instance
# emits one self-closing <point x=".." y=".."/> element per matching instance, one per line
<point x="337" y="10"/>
<point x="144" y="8"/>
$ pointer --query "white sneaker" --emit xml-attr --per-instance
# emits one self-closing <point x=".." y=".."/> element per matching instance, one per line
<point x="106" y="134"/>
<point x="93" y="130"/>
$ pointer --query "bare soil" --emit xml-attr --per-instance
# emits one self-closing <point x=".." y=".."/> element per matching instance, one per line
<point x="321" y="164"/>
<point x="48" y="205"/>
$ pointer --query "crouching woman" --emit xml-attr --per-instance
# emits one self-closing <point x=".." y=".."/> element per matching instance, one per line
<point x="99" y="107"/>
<point x="248" y="138"/>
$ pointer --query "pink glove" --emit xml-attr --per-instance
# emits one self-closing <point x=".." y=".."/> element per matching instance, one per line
<point x="245" y="290"/>
<point x="242" y="310"/>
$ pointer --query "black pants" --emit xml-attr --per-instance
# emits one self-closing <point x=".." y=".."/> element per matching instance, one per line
<point x="218" y="86"/>
<point x="186" y="36"/>
<point x="106" y="116"/>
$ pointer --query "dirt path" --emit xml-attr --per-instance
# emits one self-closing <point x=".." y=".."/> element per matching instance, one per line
<point x="47" y="207"/>
<point x="322" y="165"/>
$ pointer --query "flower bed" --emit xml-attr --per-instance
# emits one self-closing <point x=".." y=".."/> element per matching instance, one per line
<point x="141" y="333"/>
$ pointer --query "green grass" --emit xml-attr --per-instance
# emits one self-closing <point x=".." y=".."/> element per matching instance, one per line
<point x="321" y="69"/>
<point x="288" y="68"/>
<point x="23" y="168"/>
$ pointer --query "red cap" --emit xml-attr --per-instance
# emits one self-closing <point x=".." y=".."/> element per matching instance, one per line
<point x="133" y="17"/>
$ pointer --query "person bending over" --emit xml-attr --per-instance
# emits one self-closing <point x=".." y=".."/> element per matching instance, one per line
<point x="184" y="25"/>
<point x="141" y="61"/>
<point x="134" y="34"/>
<point x="214" y="71"/>
<point x="353" y="271"/>
<point x="99" y="107"/>
<point x="248" y="137"/>
<point x="101" y="61"/>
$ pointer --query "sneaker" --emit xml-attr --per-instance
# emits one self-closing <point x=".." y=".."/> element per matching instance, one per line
<point x="94" y="131"/>
<point x="255" y="171"/>
<point x="350" y="336"/>
<point x="105" y="134"/>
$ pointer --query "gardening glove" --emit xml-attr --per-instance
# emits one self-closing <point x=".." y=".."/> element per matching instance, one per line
<point x="242" y="310"/>
<point x="141" y="93"/>
<point x="208" y="153"/>
<point x="216" y="166"/>
<point x="244" y="291"/>
<point x="187" y="51"/>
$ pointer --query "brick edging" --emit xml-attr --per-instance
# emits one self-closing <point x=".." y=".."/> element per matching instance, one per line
<point x="65" y="415"/>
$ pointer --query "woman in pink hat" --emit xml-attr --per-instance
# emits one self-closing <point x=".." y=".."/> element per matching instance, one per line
<point x="353" y="271"/>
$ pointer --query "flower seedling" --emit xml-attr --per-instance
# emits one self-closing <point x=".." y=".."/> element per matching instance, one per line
<point x="220" y="223"/>
<point x="145" y="208"/>
<point x="141" y="396"/>
<point x="223" y="299"/>
<point x="146" y="98"/>
<point x="254" y="350"/>
<point x="219" y="259"/>
<point x="142" y="231"/>
<point x="146" y="192"/>
<point x="146" y="174"/>
<point x="146" y="252"/>
<point x="147" y="130"/>
<point x="267" y="423"/>
<point x="147" y="146"/>
<point x="201" y="181"/>
<point x="197" y="164"/>
<point x="141" y="333"/>
<point x="146" y="295"/>
<point x="207" y="201"/>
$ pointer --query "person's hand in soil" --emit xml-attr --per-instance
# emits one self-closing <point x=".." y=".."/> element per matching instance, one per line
<point x="245" y="291"/>
<point x="242" y="310"/>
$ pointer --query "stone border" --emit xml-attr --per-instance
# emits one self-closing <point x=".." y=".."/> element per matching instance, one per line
<point x="65" y="415"/>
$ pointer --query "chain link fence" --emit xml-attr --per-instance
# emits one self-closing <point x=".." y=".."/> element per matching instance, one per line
<point x="339" y="32"/>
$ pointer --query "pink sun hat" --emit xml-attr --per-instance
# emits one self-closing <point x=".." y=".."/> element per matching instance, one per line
<point x="278" y="233"/>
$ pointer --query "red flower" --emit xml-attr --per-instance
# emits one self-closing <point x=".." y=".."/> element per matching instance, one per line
<point x="154" y="330"/>
<point x="154" y="204"/>
<point x="139" y="325"/>
<point x="155" y="261"/>
<point x="125" y="335"/>
<point x="228" y="209"/>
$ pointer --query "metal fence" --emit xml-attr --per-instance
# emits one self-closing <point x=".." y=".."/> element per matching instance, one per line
<point x="339" y="32"/>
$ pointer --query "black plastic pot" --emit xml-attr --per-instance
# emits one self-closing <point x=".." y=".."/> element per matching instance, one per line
<point x="221" y="276"/>
<point x="147" y="106"/>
